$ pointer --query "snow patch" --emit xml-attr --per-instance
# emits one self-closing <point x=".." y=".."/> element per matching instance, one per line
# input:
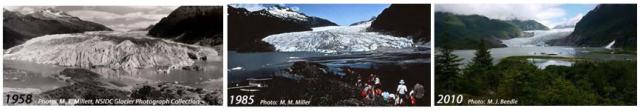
<point x="282" y="12"/>
<point x="610" y="45"/>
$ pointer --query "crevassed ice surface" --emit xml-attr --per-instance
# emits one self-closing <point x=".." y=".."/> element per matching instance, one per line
<point x="333" y="39"/>
<point x="539" y="38"/>
<point x="125" y="50"/>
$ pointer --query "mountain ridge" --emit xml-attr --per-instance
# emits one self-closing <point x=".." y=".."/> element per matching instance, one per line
<point x="18" y="28"/>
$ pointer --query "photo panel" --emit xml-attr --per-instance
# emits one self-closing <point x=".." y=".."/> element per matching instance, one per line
<point x="113" y="55"/>
<point x="536" y="54"/>
<point x="329" y="54"/>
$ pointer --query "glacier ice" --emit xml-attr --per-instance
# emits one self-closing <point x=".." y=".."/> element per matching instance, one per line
<point x="332" y="39"/>
<point x="540" y="37"/>
<point x="116" y="50"/>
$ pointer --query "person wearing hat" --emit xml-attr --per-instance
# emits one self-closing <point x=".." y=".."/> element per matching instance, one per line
<point x="402" y="90"/>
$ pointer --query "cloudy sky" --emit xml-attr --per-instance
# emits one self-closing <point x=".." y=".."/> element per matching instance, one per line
<point x="341" y="14"/>
<point x="548" y="14"/>
<point x="121" y="18"/>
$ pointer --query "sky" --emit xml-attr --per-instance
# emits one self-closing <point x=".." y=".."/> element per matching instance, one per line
<point x="341" y="14"/>
<point x="121" y="18"/>
<point x="549" y="15"/>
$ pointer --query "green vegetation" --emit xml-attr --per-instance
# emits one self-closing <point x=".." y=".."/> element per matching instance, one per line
<point x="447" y="70"/>
<point x="586" y="82"/>
<point x="606" y="23"/>
<point x="464" y="31"/>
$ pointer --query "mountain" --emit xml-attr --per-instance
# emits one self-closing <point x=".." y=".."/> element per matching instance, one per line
<point x="143" y="29"/>
<point x="247" y="29"/>
<point x="192" y="25"/>
<point x="528" y="24"/>
<point x="603" y="25"/>
<point x="363" y="22"/>
<point x="562" y="26"/>
<point x="466" y="31"/>
<point x="405" y="20"/>
<point x="121" y="51"/>
<point x="18" y="27"/>
<point x="295" y="16"/>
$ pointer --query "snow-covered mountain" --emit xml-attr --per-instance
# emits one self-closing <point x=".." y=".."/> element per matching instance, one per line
<point x="248" y="28"/>
<point x="571" y="23"/>
<point x="19" y="27"/>
<point x="287" y="13"/>
<point x="49" y="13"/>
<point x="333" y="39"/>
<point x="362" y="22"/>
<point x="128" y="51"/>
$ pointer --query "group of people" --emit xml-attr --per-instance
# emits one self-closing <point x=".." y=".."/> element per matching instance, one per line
<point x="370" y="89"/>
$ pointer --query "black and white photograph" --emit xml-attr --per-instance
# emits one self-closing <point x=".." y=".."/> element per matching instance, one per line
<point x="113" y="55"/>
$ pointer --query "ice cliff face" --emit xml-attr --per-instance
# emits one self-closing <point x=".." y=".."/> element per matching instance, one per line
<point x="333" y="39"/>
<point x="117" y="50"/>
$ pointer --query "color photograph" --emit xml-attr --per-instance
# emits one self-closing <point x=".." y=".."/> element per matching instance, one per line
<point x="329" y="55"/>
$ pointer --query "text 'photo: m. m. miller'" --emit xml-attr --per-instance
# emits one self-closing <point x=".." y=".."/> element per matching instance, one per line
<point x="329" y="55"/>
<point x="112" y="55"/>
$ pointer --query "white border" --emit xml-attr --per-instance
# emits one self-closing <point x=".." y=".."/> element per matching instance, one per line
<point x="224" y="2"/>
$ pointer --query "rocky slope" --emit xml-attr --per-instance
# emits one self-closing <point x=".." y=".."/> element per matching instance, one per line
<point x="200" y="25"/>
<point x="604" y="24"/>
<point x="86" y="84"/>
<point x="128" y="51"/>
<point x="247" y="29"/>
<point x="18" y="27"/>
<point x="405" y="20"/>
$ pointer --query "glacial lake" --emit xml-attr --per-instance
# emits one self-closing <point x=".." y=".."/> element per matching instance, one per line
<point x="553" y="51"/>
<point x="28" y="77"/>
<point x="391" y="66"/>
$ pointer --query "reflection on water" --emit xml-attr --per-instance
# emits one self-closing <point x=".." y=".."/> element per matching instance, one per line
<point x="25" y="75"/>
<point x="592" y="53"/>
<point x="260" y="64"/>
<point x="264" y="64"/>
<point x="543" y="63"/>
<point x="500" y="53"/>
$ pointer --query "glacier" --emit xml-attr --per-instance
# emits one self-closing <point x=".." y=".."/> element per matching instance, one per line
<point x="333" y="39"/>
<point x="128" y="51"/>
<point x="539" y="38"/>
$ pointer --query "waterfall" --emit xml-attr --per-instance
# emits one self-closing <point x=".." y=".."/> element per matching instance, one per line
<point x="610" y="45"/>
